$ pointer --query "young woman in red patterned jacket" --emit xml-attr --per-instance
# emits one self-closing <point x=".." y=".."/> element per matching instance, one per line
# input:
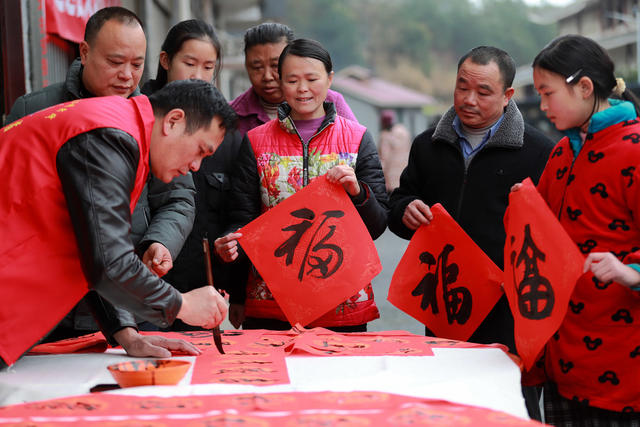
<point x="592" y="183"/>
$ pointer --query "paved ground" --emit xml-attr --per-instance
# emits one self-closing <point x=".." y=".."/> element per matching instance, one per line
<point x="390" y="249"/>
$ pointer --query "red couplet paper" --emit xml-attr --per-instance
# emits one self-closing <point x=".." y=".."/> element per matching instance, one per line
<point x="541" y="265"/>
<point x="326" y="408"/>
<point x="91" y="343"/>
<point x="323" y="342"/>
<point x="445" y="280"/>
<point x="312" y="250"/>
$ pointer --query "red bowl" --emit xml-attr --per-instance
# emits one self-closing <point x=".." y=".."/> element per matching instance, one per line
<point x="149" y="372"/>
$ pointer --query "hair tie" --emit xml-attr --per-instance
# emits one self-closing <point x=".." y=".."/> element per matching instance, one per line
<point x="620" y="86"/>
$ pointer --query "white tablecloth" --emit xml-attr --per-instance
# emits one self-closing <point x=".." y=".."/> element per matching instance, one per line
<point x="484" y="377"/>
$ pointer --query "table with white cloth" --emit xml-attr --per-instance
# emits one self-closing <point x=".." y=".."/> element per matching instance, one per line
<point x="484" y="376"/>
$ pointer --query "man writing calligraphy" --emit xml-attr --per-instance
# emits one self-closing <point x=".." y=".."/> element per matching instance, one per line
<point x="74" y="173"/>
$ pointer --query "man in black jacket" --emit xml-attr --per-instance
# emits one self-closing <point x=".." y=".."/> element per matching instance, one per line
<point x="111" y="62"/>
<point x="74" y="172"/>
<point x="468" y="163"/>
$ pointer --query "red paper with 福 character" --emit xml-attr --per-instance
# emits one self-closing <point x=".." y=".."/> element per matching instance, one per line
<point x="313" y="251"/>
<point x="445" y="280"/>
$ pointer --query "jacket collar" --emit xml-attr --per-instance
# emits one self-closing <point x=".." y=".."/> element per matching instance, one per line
<point x="73" y="82"/>
<point x="286" y="122"/>
<point x="248" y="104"/>
<point x="509" y="134"/>
<point x="619" y="111"/>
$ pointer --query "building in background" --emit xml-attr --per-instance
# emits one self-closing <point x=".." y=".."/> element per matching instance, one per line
<point x="368" y="96"/>
<point x="611" y="23"/>
<point x="39" y="39"/>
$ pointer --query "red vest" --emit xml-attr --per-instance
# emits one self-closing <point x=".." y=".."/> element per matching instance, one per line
<point x="40" y="274"/>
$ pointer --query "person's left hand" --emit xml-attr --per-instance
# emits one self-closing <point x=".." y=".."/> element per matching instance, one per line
<point x="138" y="345"/>
<point x="345" y="176"/>
<point x="607" y="267"/>
<point x="157" y="258"/>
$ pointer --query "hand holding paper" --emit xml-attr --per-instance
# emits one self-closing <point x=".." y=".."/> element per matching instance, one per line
<point x="542" y="264"/>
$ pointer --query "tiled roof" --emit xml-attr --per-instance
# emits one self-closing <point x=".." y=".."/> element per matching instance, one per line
<point x="355" y="82"/>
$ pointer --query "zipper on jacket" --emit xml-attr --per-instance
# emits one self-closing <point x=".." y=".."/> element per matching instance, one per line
<point x="305" y="150"/>
<point x="464" y="182"/>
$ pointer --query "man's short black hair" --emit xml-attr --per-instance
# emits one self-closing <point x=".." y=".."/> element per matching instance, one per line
<point x="482" y="55"/>
<point x="200" y="100"/>
<point x="98" y="19"/>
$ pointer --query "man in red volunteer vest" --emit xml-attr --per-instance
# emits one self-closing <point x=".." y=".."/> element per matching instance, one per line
<point x="73" y="174"/>
<point x="111" y="62"/>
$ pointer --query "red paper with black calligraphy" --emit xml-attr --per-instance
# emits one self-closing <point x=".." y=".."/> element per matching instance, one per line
<point x="445" y="280"/>
<point x="312" y="250"/>
<point x="326" y="408"/>
<point x="541" y="266"/>
<point x="252" y="357"/>
<point x="323" y="342"/>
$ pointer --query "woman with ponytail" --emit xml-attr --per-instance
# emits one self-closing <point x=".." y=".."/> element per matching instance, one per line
<point x="592" y="184"/>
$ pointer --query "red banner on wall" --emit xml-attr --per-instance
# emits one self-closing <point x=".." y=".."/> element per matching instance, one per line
<point x="67" y="18"/>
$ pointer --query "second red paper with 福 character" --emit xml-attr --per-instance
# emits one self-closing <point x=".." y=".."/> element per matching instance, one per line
<point x="444" y="280"/>
<point x="312" y="250"/>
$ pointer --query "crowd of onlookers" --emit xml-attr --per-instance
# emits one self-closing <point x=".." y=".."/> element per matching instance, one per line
<point x="200" y="167"/>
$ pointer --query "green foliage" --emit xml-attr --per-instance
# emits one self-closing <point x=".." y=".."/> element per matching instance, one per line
<point x="331" y="22"/>
<point x="366" y="32"/>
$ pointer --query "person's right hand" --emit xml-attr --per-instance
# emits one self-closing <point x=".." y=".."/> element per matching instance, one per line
<point x="415" y="214"/>
<point x="227" y="246"/>
<point x="203" y="307"/>
<point x="236" y="315"/>
<point x="516" y="186"/>
<point x="606" y="267"/>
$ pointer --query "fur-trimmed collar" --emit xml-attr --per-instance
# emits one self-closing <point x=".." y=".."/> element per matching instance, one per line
<point x="510" y="133"/>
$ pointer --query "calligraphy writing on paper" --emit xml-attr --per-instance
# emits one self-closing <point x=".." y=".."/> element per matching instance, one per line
<point x="321" y="257"/>
<point x="457" y="301"/>
<point x="535" y="294"/>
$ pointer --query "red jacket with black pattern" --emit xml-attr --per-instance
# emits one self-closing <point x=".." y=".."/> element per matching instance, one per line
<point x="595" y="355"/>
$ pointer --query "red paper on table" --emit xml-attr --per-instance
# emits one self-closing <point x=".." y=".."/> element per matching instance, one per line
<point x="445" y="280"/>
<point x="252" y="357"/>
<point x="242" y="365"/>
<point x="335" y="408"/>
<point x="323" y="342"/>
<point x="91" y="343"/>
<point x="541" y="266"/>
<point x="312" y="250"/>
